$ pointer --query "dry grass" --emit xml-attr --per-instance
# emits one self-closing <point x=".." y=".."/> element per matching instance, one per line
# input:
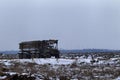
<point x="80" y="71"/>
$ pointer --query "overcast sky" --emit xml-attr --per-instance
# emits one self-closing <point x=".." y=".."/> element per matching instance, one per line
<point x="77" y="24"/>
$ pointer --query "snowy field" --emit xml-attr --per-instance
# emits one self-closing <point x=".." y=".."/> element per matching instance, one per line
<point x="67" y="68"/>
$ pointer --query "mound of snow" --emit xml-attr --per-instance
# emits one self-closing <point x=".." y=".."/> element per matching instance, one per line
<point x="2" y="77"/>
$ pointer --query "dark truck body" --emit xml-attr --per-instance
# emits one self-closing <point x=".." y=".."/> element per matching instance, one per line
<point x="39" y="49"/>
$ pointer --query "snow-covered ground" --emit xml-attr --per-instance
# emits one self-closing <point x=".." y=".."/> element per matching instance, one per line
<point x="52" y="61"/>
<point x="72" y="68"/>
<point x="3" y="77"/>
<point x="117" y="78"/>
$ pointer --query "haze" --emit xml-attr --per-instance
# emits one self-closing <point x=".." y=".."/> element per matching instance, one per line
<point x="77" y="24"/>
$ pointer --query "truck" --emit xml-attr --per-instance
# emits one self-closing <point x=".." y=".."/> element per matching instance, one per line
<point x="39" y="49"/>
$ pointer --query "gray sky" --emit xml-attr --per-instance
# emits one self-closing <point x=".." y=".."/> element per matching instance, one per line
<point x="77" y="24"/>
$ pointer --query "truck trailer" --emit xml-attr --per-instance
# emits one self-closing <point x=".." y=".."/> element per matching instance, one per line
<point x="39" y="49"/>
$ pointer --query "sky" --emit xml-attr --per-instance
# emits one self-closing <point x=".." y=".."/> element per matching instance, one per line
<point x="77" y="24"/>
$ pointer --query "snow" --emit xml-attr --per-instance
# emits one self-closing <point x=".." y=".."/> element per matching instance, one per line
<point x="117" y="78"/>
<point x="3" y="77"/>
<point x="11" y="73"/>
<point x="24" y="74"/>
<point x="52" y="61"/>
<point x="61" y="61"/>
<point x="6" y="62"/>
<point x="84" y="60"/>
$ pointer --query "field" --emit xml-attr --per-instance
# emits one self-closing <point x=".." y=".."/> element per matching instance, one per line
<point x="87" y="66"/>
